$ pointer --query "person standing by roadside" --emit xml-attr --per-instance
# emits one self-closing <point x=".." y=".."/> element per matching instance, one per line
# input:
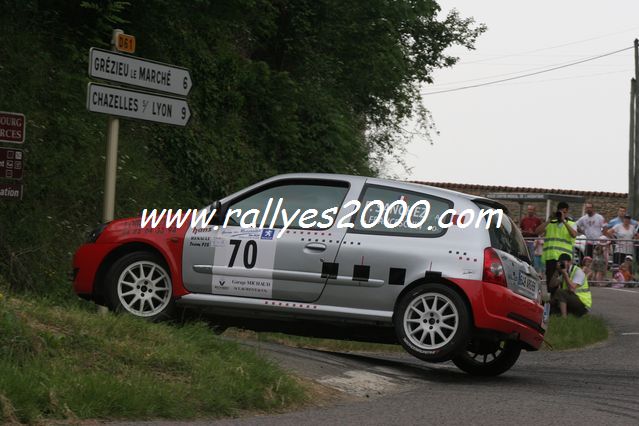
<point x="621" y="212"/>
<point x="624" y="232"/>
<point x="559" y="233"/>
<point x="590" y="225"/>
<point x="529" y="226"/>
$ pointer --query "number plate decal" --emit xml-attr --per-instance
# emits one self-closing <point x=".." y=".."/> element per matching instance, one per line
<point x="247" y="257"/>
<point x="528" y="285"/>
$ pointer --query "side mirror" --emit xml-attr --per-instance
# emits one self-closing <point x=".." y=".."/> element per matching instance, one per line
<point x="220" y="213"/>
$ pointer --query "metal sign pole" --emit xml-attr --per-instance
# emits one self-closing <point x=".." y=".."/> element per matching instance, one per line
<point x="113" y="129"/>
<point x="632" y="202"/>
<point x="635" y="197"/>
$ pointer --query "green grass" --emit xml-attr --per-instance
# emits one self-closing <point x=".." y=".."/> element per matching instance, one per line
<point x="312" y="342"/>
<point x="573" y="332"/>
<point x="68" y="363"/>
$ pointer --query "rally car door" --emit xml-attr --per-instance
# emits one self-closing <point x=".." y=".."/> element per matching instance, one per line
<point x="271" y="262"/>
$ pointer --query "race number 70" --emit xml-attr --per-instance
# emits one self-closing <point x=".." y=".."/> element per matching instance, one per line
<point x="249" y="256"/>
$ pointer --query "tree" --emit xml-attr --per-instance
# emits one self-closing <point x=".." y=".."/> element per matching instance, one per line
<point x="279" y="86"/>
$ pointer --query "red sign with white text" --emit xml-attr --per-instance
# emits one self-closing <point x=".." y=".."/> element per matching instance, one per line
<point x="12" y="127"/>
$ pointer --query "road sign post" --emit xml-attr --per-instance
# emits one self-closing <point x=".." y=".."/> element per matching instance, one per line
<point x="137" y="104"/>
<point x="113" y="128"/>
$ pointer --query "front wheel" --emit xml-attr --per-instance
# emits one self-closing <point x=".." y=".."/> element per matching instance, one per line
<point x="485" y="358"/>
<point x="139" y="283"/>
<point x="432" y="322"/>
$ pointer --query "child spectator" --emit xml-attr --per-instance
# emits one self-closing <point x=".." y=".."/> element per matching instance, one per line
<point x="587" y="267"/>
<point x="622" y="276"/>
<point x="627" y="269"/>
<point x="618" y="279"/>
<point x="599" y="264"/>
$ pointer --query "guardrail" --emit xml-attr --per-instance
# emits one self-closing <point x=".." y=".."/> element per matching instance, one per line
<point x="612" y="251"/>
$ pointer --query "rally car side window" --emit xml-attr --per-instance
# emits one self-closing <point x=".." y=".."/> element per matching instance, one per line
<point x="429" y="227"/>
<point x="314" y="195"/>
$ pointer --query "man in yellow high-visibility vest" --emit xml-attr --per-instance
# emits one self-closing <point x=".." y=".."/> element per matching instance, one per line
<point x="573" y="295"/>
<point x="559" y="233"/>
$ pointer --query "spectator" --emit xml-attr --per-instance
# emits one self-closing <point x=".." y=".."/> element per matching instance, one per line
<point x="623" y="275"/>
<point x="624" y="232"/>
<point x="559" y="238"/>
<point x="618" y="279"/>
<point x="529" y="225"/>
<point x="628" y="269"/>
<point x="600" y="261"/>
<point x="538" y="251"/>
<point x="590" y="225"/>
<point x="619" y="219"/>
<point x="573" y="295"/>
<point x="587" y="267"/>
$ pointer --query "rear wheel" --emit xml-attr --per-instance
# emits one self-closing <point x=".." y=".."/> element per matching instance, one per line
<point x="487" y="358"/>
<point x="432" y="322"/>
<point x="139" y="283"/>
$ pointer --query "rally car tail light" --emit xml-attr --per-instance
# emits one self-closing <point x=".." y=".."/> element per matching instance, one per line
<point x="493" y="268"/>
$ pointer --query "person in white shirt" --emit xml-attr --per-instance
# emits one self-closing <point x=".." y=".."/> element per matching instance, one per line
<point x="590" y="225"/>
<point x="619" y="219"/>
<point x="624" y="232"/>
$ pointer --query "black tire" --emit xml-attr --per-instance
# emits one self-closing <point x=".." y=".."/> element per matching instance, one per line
<point x="433" y="335"/>
<point x="154" y="299"/>
<point x="484" y="358"/>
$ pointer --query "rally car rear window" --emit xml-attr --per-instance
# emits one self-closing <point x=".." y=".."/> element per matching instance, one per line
<point x="507" y="237"/>
<point x="429" y="228"/>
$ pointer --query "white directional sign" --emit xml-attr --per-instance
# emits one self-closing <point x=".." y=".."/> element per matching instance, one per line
<point x="135" y="104"/>
<point x="139" y="72"/>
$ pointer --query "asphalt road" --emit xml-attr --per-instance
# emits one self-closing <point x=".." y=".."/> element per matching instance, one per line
<point x="596" y="385"/>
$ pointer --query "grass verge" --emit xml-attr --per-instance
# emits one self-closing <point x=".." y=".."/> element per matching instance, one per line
<point x="573" y="332"/>
<point x="563" y="333"/>
<point x="68" y="363"/>
<point x="312" y="342"/>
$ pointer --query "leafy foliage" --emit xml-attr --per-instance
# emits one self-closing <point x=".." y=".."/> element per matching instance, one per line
<point x="279" y="86"/>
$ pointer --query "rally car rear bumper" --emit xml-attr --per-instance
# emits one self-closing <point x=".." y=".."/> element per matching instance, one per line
<point x="499" y="309"/>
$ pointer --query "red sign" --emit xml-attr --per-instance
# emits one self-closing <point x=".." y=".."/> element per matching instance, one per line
<point x="11" y="191"/>
<point x="11" y="163"/>
<point x="12" y="127"/>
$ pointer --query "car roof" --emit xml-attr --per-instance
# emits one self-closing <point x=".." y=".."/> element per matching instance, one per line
<point x="378" y="181"/>
<point x="352" y="179"/>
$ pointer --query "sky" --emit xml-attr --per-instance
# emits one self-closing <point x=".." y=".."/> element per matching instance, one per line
<point x="565" y="129"/>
